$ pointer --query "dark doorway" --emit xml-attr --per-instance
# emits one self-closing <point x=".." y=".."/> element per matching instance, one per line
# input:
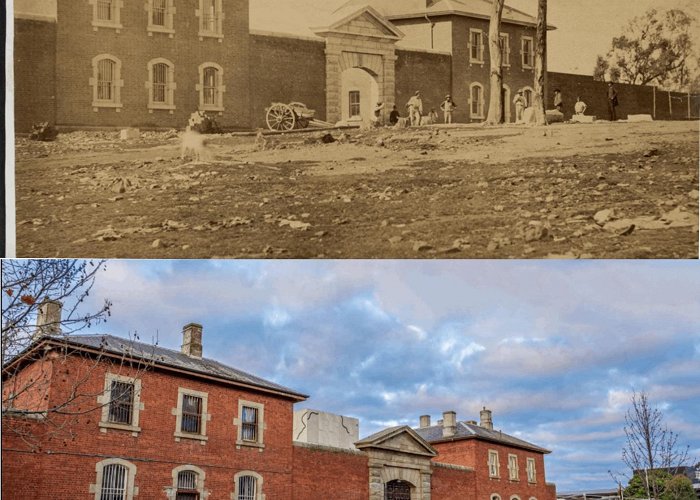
<point x="397" y="490"/>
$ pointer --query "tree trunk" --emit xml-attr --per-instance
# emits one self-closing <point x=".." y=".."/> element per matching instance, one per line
<point x="496" y="60"/>
<point x="540" y="63"/>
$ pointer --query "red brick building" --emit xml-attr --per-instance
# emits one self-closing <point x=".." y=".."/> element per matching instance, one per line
<point x="116" y="63"/>
<point x="107" y="418"/>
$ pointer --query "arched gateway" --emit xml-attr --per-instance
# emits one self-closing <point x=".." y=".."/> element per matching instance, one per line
<point x="360" y="63"/>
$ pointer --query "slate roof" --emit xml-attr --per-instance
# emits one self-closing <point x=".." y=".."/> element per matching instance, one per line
<point x="175" y="359"/>
<point x="465" y="430"/>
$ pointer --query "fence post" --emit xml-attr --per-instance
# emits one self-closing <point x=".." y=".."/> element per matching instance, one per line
<point x="670" y="107"/>
<point x="654" y="93"/>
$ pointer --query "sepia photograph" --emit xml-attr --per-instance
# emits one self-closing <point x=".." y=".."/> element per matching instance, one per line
<point x="354" y="129"/>
<point x="355" y="380"/>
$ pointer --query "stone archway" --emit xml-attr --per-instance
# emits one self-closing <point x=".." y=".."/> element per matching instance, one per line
<point x="397" y="489"/>
<point x="362" y="40"/>
<point x="359" y="91"/>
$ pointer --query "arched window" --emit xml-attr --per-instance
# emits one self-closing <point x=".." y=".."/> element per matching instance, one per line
<point x="211" y="87"/>
<point x="188" y="484"/>
<point x="115" y="480"/>
<point x="161" y="84"/>
<point x="476" y="100"/>
<point x="495" y="496"/>
<point x="528" y="94"/>
<point x="248" y="486"/>
<point x="106" y="82"/>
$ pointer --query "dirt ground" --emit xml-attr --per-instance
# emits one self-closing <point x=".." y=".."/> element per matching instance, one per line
<point x="620" y="190"/>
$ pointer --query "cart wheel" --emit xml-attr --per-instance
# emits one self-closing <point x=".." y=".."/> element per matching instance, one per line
<point x="280" y="117"/>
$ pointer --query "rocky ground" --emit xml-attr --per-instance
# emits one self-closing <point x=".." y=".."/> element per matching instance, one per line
<point x="622" y="190"/>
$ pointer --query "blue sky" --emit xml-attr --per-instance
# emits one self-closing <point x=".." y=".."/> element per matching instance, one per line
<point x="555" y="349"/>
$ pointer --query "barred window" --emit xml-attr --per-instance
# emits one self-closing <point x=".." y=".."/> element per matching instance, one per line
<point x="211" y="18"/>
<point x="477" y="100"/>
<point x="187" y="486"/>
<point x="121" y="402"/>
<point x="160" y="82"/>
<point x="105" y="10"/>
<point x="247" y="486"/>
<point x="504" y="41"/>
<point x="114" y="482"/>
<point x="160" y="8"/>
<point x="191" y="414"/>
<point x="476" y="43"/>
<point x="250" y="424"/>
<point x="527" y="51"/>
<point x="106" y="71"/>
<point x="209" y="15"/>
<point x="210" y="87"/>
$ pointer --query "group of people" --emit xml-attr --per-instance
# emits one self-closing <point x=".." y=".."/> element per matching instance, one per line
<point x="414" y="108"/>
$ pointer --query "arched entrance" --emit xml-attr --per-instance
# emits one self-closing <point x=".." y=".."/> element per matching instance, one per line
<point x="358" y="95"/>
<point x="397" y="490"/>
<point x="505" y="93"/>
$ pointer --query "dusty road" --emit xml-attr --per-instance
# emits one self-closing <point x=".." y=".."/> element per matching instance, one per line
<point x="573" y="190"/>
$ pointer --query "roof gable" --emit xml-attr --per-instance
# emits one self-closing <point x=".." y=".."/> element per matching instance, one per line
<point x="365" y="21"/>
<point x="401" y="439"/>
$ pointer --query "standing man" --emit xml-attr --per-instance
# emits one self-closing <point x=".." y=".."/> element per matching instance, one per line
<point x="447" y="107"/>
<point x="415" y="108"/>
<point x="558" y="101"/>
<point x="519" y="102"/>
<point x="612" y="101"/>
<point x="580" y="106"/>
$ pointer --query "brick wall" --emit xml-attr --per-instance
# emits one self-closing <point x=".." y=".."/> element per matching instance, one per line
<point x="78" y="43"/>
<point x="474" y="453"/>
<point x="154" y="451"/>
<point x="286" y="70"/>
<point x="35" y="73"/>
<point x="319" y="470"/>
<point x="427" y="72"/>
<point x="452" y="483"/>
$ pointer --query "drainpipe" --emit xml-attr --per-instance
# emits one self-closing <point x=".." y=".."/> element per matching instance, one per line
<point x="432" y="28"/>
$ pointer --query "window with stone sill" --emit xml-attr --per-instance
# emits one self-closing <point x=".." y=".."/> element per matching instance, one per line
<point x="250" y="424"/>
<point x="211" y="17"/>
<point x="161" y="85"/>
<point x="493" y="463"/>
<point x="161" y="14"/>
<point x="531" y="472"/>
<point x="527" y="52"/>
<point x="504" y="40"/>
<point x="476" y="46"/>
<point x="191" y="415"/>
<point x="106" y="82"/>
<point x="115" y="480"/>
<point x="106" y="14"/>
<point x="513" y="467"/>
<point x="211" y="87"/>
<point x="121" y="404"/>
<point x="248" y="485"/>
<point x="188" y="484"/>
<point x="476" y="100"/>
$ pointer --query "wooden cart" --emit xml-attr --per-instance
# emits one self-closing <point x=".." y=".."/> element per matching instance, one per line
<point x="280" y="116"/>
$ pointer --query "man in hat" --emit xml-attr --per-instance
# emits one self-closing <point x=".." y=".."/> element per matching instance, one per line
<point x="415" y="108"/>
<point x="377" y="117"/>
<point x="612" y="101"/>
<point x="519" y="101"/>
<point x="447" y="107"/>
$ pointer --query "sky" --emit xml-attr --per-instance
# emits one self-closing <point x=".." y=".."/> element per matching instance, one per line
<point x="554" y="349"/>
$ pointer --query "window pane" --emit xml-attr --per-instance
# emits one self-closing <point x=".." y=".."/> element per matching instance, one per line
<point x="246" y="488"/>
<point x="191" y="414"/>
<point x="187" y="486"/>
<point x="159" y="10"/>
<point x="209" y="84"/>
<point x="105" y="80"/>
<point x="160" y="82"/>
<point x="121" y="402"/>
<point x="209" y="15"/>
<point x="249" y="432"/>
<point x="355" y="103"/>
<point x="113" y="482"/>
<point x="105" y="10"/>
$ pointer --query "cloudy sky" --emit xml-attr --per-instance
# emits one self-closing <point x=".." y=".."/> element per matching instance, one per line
<point x="554" y="349"/>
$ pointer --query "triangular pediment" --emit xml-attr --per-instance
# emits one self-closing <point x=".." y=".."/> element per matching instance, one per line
<point x="398" y="439"/>
<point x="365" y="21"/>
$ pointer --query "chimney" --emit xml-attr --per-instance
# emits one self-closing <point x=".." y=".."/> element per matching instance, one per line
<point x="48" y="321"/>
<point x="424" y="421"/>
<point x="486" y="421"/>
<point x="192" y="340"/>
<point x="449" y="426"/>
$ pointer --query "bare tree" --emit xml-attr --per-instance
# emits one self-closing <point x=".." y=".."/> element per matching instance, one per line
<point x="540" y="63"/>
<point x="650" y="445"/>
<point x="55" y="384"/>
<point x="496" y="104"/>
